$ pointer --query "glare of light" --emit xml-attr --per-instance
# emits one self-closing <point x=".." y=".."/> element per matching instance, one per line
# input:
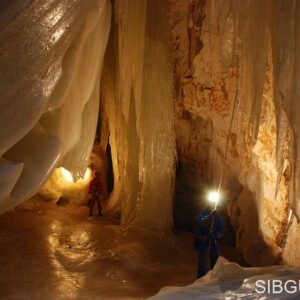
<point x="290" y="216"/>
<point x="87" y="175"/>
<point x="213" y="197"/>
<point x="55" y="15"/>
<point x="67" y="176"/>
<point x="57" y="35"/>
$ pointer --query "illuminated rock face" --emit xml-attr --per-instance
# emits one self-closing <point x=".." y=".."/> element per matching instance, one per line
<point x="48" y="112"/>
<point x="227" y="50"/>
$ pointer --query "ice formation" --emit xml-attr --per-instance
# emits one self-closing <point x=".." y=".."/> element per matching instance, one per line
<point x="58" y="78"/>
<point x="48" y="111"/>
<point x="137" y="100"/>
<point x="230" y="281"/>
<point x="60" y="253"/>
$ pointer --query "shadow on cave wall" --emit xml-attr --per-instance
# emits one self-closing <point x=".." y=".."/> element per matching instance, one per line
<point x="189" y="201"/>
<point x="249" y="239"/>
<point x="240" y="217"/>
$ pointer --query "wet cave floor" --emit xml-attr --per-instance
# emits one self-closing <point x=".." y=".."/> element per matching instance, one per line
<point x="51" y="252"/>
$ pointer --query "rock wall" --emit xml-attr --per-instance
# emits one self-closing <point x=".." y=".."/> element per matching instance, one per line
<point x="230" y="62"/>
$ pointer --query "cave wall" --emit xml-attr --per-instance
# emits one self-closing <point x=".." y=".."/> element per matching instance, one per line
<point x="238" y="59"/>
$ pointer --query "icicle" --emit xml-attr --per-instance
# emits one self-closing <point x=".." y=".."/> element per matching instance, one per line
<point x="131" y="18"/>
<point x="157" y="145"/>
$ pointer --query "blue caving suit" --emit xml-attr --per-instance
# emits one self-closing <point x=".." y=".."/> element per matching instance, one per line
<point x="209" y="230"/>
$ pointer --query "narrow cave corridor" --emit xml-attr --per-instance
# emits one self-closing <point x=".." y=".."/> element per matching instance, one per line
<point x="149" y="149"/>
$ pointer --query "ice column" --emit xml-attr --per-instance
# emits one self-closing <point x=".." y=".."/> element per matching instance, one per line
<point x="138" y="103"/>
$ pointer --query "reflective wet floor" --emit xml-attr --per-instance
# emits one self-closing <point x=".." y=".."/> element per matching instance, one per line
<point x="50" y="252"/>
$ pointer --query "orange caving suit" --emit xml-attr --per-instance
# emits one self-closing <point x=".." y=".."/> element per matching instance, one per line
<point x="96" y="192"/>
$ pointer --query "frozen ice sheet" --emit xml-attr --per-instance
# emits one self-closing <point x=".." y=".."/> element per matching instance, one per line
<point x="50" y="252"/>
<point x="230" y="281"/>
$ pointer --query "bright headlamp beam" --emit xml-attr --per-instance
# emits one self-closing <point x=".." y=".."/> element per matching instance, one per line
<point x="214" y="197"/>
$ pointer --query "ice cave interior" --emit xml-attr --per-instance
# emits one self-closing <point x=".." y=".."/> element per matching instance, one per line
<point x="167" y="99"/>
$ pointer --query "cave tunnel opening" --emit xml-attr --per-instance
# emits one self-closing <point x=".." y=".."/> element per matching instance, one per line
<point x="102" y="150"/>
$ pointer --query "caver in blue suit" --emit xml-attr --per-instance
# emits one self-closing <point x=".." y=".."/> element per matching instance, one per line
<point x="209" y="230"/>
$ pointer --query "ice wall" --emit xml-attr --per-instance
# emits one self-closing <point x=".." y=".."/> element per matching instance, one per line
<point x="137" y="101"/>
<point x="51" y="56"/>
<point x="243" y="50"/>
<point x="230" y="281"/>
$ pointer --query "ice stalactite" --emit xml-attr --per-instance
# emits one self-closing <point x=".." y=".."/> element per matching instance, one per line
<point x="131" y="18"/>
<point x="51" y="56"/>
<point x="118" y="105"/>
<point x="156" y="125"/>
<point x="138" y="102"/>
